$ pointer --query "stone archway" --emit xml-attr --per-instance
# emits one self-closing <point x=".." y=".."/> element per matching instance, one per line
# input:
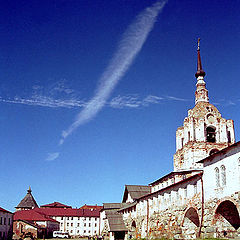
<point x="133" y="229"/>
<point x="228" y="215"/>
<point x="191" y="223"/>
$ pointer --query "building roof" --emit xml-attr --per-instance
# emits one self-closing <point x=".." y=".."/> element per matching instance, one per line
<point x="28" y="201"/>
<point x="46" y="214"/>
<point x="115" y="221"/>
<point x="223" y="151"/>
<point x="108" y="206"/>
<point x="91" y="207"/>
<point x="71" y="212"/>
<point x="4" y="210"/>
<point x="31" y="215"/>
<point x="173" y="174"/>
<point x="55" y="205"/>
<point x="129" y="205"/>
<point x="135" y="191"/>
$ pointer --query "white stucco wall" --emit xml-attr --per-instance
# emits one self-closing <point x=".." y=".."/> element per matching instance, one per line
<point x="83" y="226"/>
<point x="232" y="165"/>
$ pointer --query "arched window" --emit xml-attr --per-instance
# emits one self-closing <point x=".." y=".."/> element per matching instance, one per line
<point x="211" y="134"/>
<point x="217" y="177"/>
<point x="223" y="175"/>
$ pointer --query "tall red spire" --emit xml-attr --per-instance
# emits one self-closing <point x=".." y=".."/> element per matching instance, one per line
<point x="200" y="71"/>
<point x="201" y="94"/>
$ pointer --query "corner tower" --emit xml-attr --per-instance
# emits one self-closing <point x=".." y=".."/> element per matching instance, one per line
<point x="204" y="131"/>
<point x="28" y="202"/>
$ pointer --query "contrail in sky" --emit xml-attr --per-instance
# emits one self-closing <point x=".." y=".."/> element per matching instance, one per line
<point x="128" y="48"/>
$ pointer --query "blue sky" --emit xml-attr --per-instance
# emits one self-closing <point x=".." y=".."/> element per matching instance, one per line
<point x="57" y="56"/>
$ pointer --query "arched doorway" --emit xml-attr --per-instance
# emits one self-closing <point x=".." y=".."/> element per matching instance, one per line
<point x="228" y="210"/>
<point x="191" y="223"/>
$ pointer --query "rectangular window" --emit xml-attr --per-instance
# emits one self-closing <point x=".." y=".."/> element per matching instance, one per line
<point x="95" y="224"/>
<point x="78" y="224"/>
<point x="5" y="220"/>
<point x="85" y="224"/>
<point x="71" y="224"/>
<point x="9" y="221"/>
<point x="61" y="218"/>
<point x="67" y="224"/>
<point x="72" y="218"/>
<point x="1" y="221"/>
<point x="89" y="224"/>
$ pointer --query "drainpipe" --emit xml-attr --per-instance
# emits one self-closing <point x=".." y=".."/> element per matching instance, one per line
<point x="201" y="221"/>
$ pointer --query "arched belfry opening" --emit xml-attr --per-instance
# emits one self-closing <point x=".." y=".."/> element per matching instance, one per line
<point x="215" y="150"/>
<point x="229" y="212"/>
<point x="211" y="134"/>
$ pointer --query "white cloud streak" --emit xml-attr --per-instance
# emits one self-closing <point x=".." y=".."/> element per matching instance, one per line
<point x="53" y="96"/>
<point x="176" y="98"/>
<point x="128" y="48"/>
<point x="45" y="101"/>
<point x="52" y="156"/>
<point x="125" y="101"/>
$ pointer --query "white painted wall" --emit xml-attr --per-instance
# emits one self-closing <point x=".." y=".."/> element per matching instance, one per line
<point x="232" y="165"/>
<point x="79" y="226"/>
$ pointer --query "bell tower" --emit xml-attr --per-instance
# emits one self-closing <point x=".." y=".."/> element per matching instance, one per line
<point x="204" y="131"/>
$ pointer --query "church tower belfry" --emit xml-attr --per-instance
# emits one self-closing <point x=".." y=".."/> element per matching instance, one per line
<point x="204" y="131"/>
